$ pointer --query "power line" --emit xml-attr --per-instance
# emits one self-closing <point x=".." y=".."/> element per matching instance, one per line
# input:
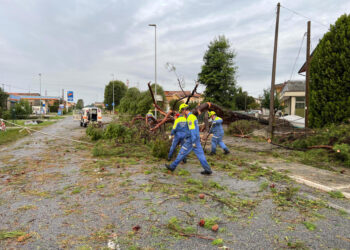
<point x="296" y="59"/>
<point x="299" y="14"/>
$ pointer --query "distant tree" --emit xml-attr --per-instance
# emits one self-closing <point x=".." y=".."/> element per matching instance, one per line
<point x="129" y="103"/>
<point x="119" y="92"/>
<point x="3" y="101"/>
<point x="265" y="102"/>
<point x="22" y="109"/>
<point x="136" y="102"/>
<point x="244" y="101"/>
<point x="218" y="73"/>
<point x="80" y="104"/>
<point x="330" y="76"/>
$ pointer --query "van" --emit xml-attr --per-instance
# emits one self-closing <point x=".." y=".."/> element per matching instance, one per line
<point x="90" y="115"/>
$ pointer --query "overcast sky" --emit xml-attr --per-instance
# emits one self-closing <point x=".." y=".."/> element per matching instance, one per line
<point x="78" y="44"/>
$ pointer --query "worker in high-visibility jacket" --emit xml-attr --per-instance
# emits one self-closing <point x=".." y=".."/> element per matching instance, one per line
<point x="192" y="142"/>
<point x="150" y="118"/>
<point x="218" y="132"/>
<point x="179" y="133"/>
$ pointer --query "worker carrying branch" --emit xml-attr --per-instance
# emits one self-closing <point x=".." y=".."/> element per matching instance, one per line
<point x="218" y="132"/>
<point x="192" y="142"/>
<point x="179" y="133"/>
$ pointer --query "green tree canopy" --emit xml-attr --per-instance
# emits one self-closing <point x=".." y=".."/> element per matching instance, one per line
<point x="244" y="101"/>
<point x="265" y="102"/>
<point x="3" y="101"/>
<point x="22" y="109"/>
<point x="80" y="104"/>
<point x="136" y="102"/>
<point x="330" y="76"/>
<point x="218" y="73"/>
<point x="119" y="92"/>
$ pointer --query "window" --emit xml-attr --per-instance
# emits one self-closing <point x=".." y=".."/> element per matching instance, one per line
<point x="300" y="102"/>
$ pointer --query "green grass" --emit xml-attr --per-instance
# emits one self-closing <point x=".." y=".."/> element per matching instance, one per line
<point x="13" y="134"/>
<point x="336" y="194"/>
<point x="309" y="225"/>
<point x="13" y="234"/>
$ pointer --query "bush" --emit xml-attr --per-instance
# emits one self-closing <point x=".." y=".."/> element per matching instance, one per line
<point x="160" y="148"/>
<point x="119" y="132"/>
<point x="94" y="133"/>
<point x="243" y="127"/>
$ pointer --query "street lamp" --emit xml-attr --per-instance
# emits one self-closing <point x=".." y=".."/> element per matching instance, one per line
<point x="155" y="63"/>
<point x="40" y="92"/>
<point x="113" y="92"/>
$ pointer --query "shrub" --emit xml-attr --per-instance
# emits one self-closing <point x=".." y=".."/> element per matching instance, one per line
<point x="243" y="127"/>
<point x="94" y="133"/>
<point x="160" y="148"/>
<point x="119" y="132"/>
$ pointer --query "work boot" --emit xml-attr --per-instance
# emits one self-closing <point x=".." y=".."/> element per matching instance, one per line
<point x="226" y="151"/>
<point x="169" y="167"/>
<point x="184" y="160"/>
<point x="206" y="172"/>
<point x="212" y="153"/>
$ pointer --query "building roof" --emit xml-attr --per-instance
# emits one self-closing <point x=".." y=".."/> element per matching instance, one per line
<point x="24" y="94"/>
<point x="294" y="86"/>
<point x="180" y="93"/>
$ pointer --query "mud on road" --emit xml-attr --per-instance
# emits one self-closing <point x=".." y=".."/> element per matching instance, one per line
<point x="54" y="195"/>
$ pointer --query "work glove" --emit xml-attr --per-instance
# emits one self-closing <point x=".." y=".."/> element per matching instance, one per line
<point x="194" y="145"/>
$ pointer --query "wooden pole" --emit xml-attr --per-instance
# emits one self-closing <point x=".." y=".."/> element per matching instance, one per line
<point x="273" y="78"/>
<point x="307" y="75"/>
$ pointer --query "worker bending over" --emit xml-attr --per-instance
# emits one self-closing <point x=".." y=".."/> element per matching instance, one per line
<point x="218" y="132"/>
<point x="179" y="133"/>
<point x="192" y="142"/>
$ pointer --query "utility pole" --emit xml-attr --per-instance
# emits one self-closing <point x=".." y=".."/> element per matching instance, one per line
<point x="307" y="75"/>
<point x="273" y="78"/>
<point x="40" y="94"/>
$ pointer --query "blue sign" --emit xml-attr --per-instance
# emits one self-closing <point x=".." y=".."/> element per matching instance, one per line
<point x="113" y="104"/>
<point x="43" y="104"/>
<point x="106" y="104"/>
<point x="70" y="96"/>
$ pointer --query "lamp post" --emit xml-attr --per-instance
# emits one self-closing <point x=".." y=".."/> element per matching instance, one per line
<point x="40" y="93"/>
<point x="113" y="92"/>
<point x="155" y="63"/>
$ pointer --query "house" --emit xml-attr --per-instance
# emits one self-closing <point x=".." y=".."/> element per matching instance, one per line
<point x="292" y="96"/>
<point x="99" y="104"/>
<point x="176" y="95"/>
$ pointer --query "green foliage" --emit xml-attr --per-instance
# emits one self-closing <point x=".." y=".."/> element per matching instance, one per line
<point x="265" y="102"/>
<point x="218" y="73"/>
<point x="136" y="102"/>
<point x="119" y="132"/>
<point x="94" y="133"/>
<point x="244" y="101"/>
<point x="342" y="153"/>
<point x="80" y="104"/>
<point x="129" y="103"/>
<point x="119" y="92"/>
<point x="209" y="222"/>
<point x="336" y="194"/>
<point x="13" y="234"/>
<point x="330" y="76"/>
<point x="3" y="99"/>
<point x="160" y="148"/>
<point x="217" y="242"/>
<point x="243" y="127"/>
<point x="22" y="109"/>
<point x="309" y="225"/>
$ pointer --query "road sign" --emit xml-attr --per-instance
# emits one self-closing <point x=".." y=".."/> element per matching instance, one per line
<point x="43" y="104"/>
<point x="70" y="96"/>
<point x="113" y="104"/>
<point x="159" y="98"/>
<point x="106" y="104"/>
